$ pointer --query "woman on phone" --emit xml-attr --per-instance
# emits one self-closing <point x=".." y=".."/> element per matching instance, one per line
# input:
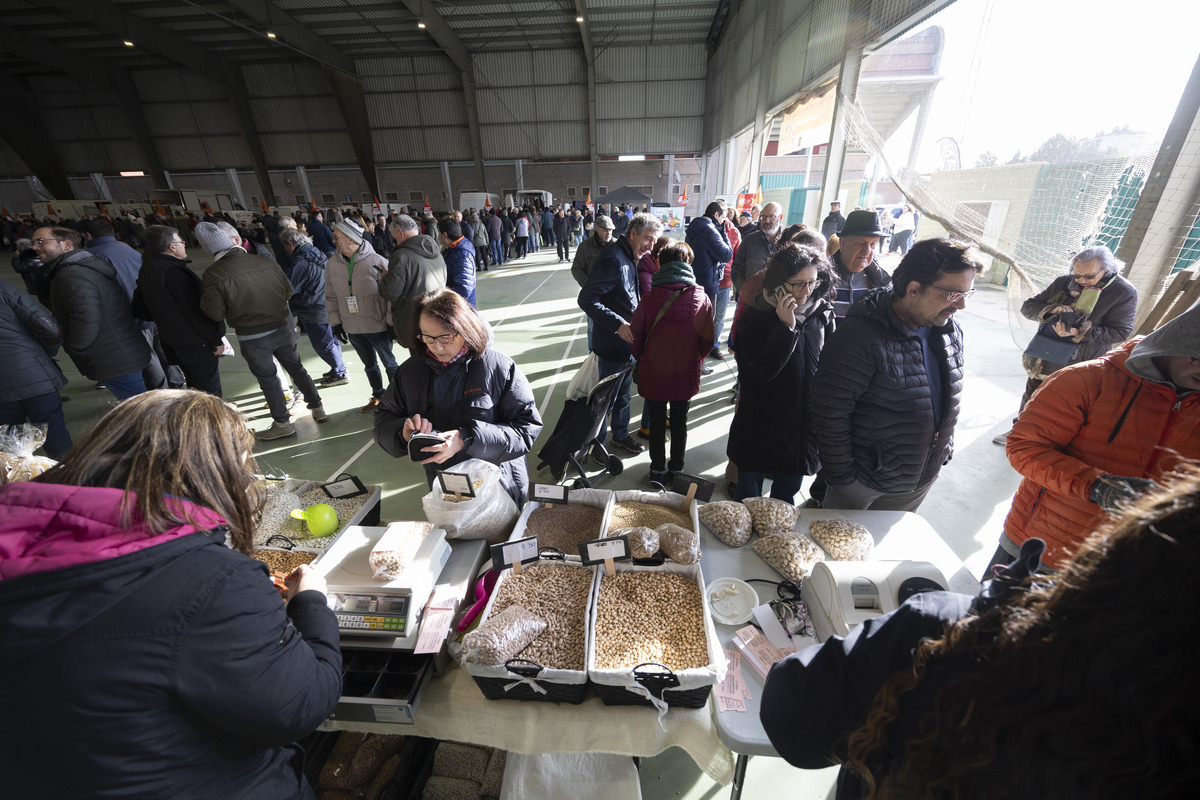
<point x="778" y="346"/>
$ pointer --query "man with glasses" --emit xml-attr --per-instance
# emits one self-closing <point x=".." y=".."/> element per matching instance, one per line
<point x="99" y="331"/>
<point x="168" y="292"/>
<point x="1098" y="434"/>
<point x="1091" y="307"/>
<point x="857" y="269"/>
<point x="752" y="255"/>
<point x="887" y="389"/>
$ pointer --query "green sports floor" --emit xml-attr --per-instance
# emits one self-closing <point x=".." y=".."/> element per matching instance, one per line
<point x="531" y="305"/>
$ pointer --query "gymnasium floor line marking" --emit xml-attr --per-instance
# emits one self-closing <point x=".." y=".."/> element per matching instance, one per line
<point x="353" y="458"/>
<point x="554" y="380"/>
<point x="526" y="298"/>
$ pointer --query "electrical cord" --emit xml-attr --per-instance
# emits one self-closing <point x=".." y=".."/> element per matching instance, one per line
<point x="786" y="590"/>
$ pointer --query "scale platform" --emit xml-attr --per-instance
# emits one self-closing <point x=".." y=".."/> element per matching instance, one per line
<point x="376" y="609"/>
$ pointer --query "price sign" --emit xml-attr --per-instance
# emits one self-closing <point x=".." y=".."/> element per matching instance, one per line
<point x="456" y="483"/>
<point x="606" y="551"/>
<point x="548" y="493"/>
<point x="349" y="486"/>
<point x="683" y="482"/>
<point x="514" y="554"/>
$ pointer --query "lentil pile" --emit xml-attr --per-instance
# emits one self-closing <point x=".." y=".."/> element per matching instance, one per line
<point x="559" y="596"/>
<point x="565" y="527"/>
<point x="283" y="561"/>
<point x="634" y="514"/>
<point x="650" y="616"/>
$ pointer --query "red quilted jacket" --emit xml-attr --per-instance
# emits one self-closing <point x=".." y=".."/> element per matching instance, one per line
<point x="670" y="357"/>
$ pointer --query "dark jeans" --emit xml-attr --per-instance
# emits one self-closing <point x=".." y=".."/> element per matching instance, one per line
<point x="783" y="487"/>
<point x="620" y="405"/>
<point x="124" y="387"/>
<point x="521" y="246"/>
<point x="657" y="411"/>
<point x="369" y="345"/>
<point x="720" y="304"/>
<point x="280" y="344"/>
<point x="564" y="249"/>
<point x="43" y="409"/>
<point x="326" y="346"/>
<point x="199" y="366"/>
<point x="497" y="252"/>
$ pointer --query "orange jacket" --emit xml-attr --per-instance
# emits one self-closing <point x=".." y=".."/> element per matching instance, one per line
<point x="1087" y="420"/>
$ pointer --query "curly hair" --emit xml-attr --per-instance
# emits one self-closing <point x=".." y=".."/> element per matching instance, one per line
<point x="790" y="258"/>
<point x="1041" y="698"/>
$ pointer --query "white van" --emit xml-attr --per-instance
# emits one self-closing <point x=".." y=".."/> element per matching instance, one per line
<point x="477" y="200"/>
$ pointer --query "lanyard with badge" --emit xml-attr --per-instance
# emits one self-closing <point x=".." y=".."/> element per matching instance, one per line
<point x="351" y="300"/>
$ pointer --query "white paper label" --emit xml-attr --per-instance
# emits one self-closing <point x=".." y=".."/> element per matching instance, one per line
<point x="520" y="551"/>
<point x="601" y="549"/>
<point x="401" y="714"/>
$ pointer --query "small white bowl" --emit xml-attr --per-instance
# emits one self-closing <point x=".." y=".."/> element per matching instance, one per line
<point x="736" y="601"/>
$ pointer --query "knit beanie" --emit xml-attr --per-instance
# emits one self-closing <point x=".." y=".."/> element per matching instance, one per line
<point x="212" y="238"/>
<point x="350" y="228"/>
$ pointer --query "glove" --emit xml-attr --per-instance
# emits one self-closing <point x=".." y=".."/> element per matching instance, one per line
<point x="1114" y="493"/>
<point x="391" y="333"/>
<point x="340" y="333"/>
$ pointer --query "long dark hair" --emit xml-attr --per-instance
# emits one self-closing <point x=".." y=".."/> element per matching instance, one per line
<point x="170" y="443"/>
<point x="1043" y="698"/>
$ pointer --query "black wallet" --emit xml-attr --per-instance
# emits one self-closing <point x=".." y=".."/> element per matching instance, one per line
<point x="421" y="440"/>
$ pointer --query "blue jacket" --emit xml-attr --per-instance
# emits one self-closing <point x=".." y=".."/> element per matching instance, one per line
<point x="460" y="268"/>
<point x="321" y="235"/>
<point x="547" y="220"/>
<point x="126" y="261"/>
<point x="307" y="276"/>
<point x="712" y="251"/>
<point x="609" y="297"/>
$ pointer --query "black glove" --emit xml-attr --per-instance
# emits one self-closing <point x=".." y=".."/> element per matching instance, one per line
<point x="391" y="333"/>
<point x="1114" y="493"/>
<point x="340" y="333"/>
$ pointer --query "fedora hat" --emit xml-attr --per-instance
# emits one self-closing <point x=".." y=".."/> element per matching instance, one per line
<point x="862" y="223"/>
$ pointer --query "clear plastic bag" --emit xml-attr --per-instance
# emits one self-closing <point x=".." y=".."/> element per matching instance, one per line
<point x="17" y="461"/>
<point x="728" y="521"/>
<point x="489" y="515"/>
<point x="502" y="636"/>
<point x="585" y="378"/>
<point x="791" y="554"/>
<point x="842" y="539"/>
<point x="766" y="512"/>
<point x="643" y="542"/>
<point x="678" y="543"/>
<point x="396" y="548"/>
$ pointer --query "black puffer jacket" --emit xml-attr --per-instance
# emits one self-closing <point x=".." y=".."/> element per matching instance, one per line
<point x="486" y="398"/>
<point x="873" y="404"/>
<point x="307" y="276"/>
<point x="168" y="292"/>
<point x="99" y="331"/>
<point x="773" y="429"/>
<point x="29" y="336"/>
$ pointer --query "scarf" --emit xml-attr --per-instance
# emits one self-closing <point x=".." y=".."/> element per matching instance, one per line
<point x="674" y="272"/>
<point x="1082" y="299"/>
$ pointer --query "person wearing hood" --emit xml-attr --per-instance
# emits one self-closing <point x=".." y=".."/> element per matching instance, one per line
<point x="888" y="386"/>
<point x="672" y="333"/>
<point x="358" y="313"/>
<point x="780" y="336"/>
<point x="460" y="386"/>
<point x="135" y="623"/>
<point x="459" y="256"/>
<point x="251" y="294"/>
<point x="415" y="267"/>
<point x="1099" y="433"/>
<point x="99" y="331"/>
<point x="1091" y="307"/>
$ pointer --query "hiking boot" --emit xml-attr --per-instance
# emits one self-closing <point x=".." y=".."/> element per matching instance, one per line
<point x="278" y="430"/>
<point x="371" y="405"/>
<point x="318" y="413"/>
<point x="629" y="445"/>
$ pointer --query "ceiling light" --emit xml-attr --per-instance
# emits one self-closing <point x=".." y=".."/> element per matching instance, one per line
<point x="270" y="35"/>
<point x="579" y="19"/>
<point x="631" y="158"/>
<point x="137" y="174"/>
<point x="128" y="43"/>
<point x="421" y="24"/>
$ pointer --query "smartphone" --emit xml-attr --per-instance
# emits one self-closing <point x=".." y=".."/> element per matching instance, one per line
<point x="776" y="295"/>
<point x="418" y="441"/>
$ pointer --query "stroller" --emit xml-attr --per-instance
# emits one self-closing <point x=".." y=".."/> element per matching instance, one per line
<point x="580" y="429"/>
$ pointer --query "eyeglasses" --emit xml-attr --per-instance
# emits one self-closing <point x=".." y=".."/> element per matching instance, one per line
<point x="43" y="241"/>
<point x="797" y="285"/>
<point x="951" y="296"/>
<point x="1087" y="277"/>
<point x="445" y="338"/>
<point x="176" y="242"/>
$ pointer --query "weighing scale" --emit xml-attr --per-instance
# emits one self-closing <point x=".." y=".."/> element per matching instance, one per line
<point x="842" y="594"/>
<point x="386" y="613"/>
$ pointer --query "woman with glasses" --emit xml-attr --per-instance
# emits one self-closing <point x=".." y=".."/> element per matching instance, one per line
<point x="778" y="346"/>
<point x="459" y="386"/>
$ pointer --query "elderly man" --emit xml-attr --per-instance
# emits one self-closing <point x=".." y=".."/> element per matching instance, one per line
<point x="609" y="298"/>
<point x="1099" y="433"/>
<point x="306" y="273"/>
<point x="168" y="291"/>
<point x="752" y="255"/>
<point x="251" y="294"/>
<point x="99" y="331"/>
<point x="1081" y="314"/>
<point x="459" y="255"/>
<point x="888" y="385"/>
<point x="415" y="267"/>
<point x="857" y="269"/>
<point x="834" y="221"/>
<point x="590" y="249"/>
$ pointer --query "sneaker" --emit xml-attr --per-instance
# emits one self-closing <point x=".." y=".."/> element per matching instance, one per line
<point x="318" y="413"/>
<point x="1001" y="439"/>
<point x="371" y="405"/>
<point x="335" y="379"/>
<point x="660" y="476"/>
<point x="629" y="445"/>
<point x="278" y="430"/>
<point x="706" y="370"/>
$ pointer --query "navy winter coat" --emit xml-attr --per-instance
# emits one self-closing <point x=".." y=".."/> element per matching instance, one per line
<point x="125" y="260"/>
<point x="321" y="235"/>
<point x="609" y="297"/>
<point x="460" y="268"/>
<point x="872" y="397"/>
<point x="29" y="336"/>
<point x="307" y="276"/>
<point x="486" y="398"/>
<point x="712" y="251"/>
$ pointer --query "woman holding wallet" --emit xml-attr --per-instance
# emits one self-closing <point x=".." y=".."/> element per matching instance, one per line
<point x="459" y="386"/>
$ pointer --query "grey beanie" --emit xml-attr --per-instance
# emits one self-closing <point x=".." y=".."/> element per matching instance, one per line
<point x="212" y="238"/>
<point x="350" y="228"/>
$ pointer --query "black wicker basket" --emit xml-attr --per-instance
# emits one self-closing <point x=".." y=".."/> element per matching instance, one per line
<point x="661" y="682"/>
<point x="556" y="692"/>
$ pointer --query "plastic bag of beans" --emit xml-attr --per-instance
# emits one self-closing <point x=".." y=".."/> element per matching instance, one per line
<point x="643" y="542"/>
<point x="502" y="636"/>
<point x="791" y="554"/>
<point x="766" y="512"/>
<point x="678" y="543"/>
<point x="728" y="521"/>
<point x="842" y="539"/>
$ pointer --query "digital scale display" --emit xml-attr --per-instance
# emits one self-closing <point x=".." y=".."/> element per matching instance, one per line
<point x="370" y="613"/>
